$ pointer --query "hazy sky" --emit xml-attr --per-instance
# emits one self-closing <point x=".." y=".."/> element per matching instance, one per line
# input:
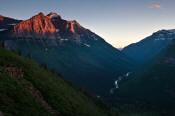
<point x="119" y="22"/>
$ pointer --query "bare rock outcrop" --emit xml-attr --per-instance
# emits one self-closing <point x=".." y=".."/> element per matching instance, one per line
<point x="12" y="71"/>
<point x="39" y="25"/>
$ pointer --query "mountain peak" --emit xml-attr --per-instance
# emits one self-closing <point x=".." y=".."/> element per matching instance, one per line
<point x="41" y="14"/>
<point x="51" y="23"/>
<point x="38" y="24"/>
<point x="53" y="15"/>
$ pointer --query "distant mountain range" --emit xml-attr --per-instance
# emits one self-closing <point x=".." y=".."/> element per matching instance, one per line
<point x="149" y="47"/>
<point x="78" y="54"/>
<point x="151" y="85"/>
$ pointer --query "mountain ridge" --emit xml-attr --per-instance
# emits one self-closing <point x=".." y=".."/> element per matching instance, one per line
<point x="150" y="46"/>
<point x="50" y="24"/>
<point x="155" y="80"/>
<point x="7" y="22"/>
<point x="80" y="55"/>
<point x="38" y="24"/>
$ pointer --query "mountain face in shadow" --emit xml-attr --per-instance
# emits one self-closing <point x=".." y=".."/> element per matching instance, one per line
<point x="7" y="23"/>
<point x="80" y="55"/>
<point x="26" y="89"/>
<point x="149" y="47"/>
<point x="153" y="84"/>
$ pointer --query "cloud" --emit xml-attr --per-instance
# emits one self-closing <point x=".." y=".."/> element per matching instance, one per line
<point x="155" y="6"/>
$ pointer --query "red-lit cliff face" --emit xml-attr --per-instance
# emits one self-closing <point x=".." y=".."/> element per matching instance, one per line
<point x="1" y="18"/>
<point x="38" y="24"/>
<point x="64" y="26"/>
<point x="73" y="26"/>
<point x="46" y="26"/>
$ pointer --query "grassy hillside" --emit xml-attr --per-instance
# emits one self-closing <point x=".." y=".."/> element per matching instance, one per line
<point x="28" y="90"/>
<point x="81" y="64"/>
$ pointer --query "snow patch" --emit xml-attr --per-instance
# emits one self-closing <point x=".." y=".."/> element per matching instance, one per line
<point x="159" y="39"/>
<point x="116" y="84"/>
<point x="162" y="39"/>
<point x="93" y="36"/>
<point x="87" y="45"/>
<point x="172" y="30"/>
<point x="12" y="24"/>
<point x="98" y="96"/>
<point x="3" y="29"/>
<point x="57" y="30"/>
<point x="116" y="87"/>
<point x="64" y="39"/>
<point x="95" y="39"/>
<point x="127" y="74"/>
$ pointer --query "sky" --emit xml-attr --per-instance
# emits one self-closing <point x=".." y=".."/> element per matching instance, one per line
<point x="119" y="22"/>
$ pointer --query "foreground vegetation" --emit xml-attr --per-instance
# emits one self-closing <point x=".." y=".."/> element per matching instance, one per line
<point x="40" y="92"/>
<point x="35" y="91"/>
